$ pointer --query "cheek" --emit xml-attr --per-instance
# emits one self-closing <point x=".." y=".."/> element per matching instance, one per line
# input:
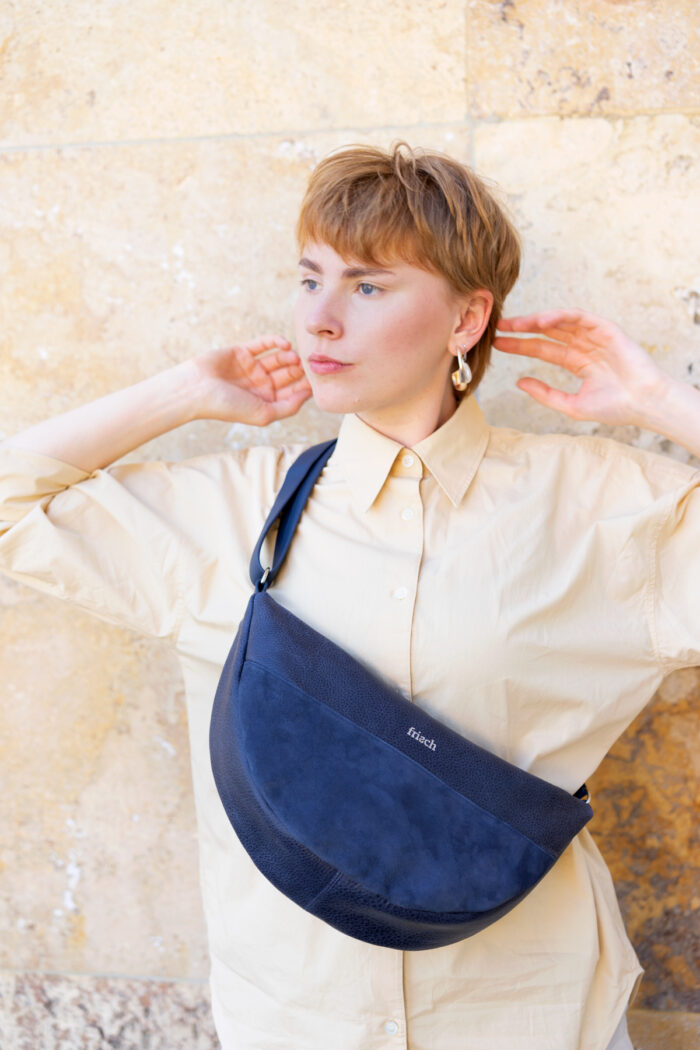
<point x="298" y="319"/>
<point x="425" y="327"/>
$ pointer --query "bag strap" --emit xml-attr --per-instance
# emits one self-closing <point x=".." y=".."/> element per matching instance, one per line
<point x="289" y="504"/>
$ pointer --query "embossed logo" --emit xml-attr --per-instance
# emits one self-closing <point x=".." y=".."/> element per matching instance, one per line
<point x="415" y="735"/>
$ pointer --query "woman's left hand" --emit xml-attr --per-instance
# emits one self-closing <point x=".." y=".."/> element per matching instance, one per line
<point x="619" y="380"/>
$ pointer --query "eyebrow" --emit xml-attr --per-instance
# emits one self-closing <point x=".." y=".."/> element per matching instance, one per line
<point x="352" y="271"/>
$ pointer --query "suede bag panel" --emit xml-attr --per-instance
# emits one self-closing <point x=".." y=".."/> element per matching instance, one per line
<point x="376" y="815"/>
<point x="293" y="650"/>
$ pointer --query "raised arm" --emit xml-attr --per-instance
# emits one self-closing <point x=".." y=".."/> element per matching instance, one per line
<point x="128" y="542"/>
<point x="255" y="382"/>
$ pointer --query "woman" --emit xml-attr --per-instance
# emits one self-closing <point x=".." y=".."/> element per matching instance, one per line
<point x="530" y="590"/>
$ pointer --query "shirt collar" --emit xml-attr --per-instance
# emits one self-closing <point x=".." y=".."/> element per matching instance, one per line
<point x="452" y="454"/>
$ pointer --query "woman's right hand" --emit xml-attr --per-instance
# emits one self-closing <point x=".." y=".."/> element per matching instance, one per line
<point x="255" y="382"/>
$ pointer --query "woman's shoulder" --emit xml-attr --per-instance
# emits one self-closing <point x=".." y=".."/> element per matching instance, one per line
<point x="256" y="471"/>
<point x="250" y="459"/>
<point x="591" y="457"/>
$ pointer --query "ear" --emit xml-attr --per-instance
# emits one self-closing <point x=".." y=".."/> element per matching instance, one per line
<point x="474" y="314"/>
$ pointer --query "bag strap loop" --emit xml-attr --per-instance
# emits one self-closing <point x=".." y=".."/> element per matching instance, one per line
<point x="288" y="506"/>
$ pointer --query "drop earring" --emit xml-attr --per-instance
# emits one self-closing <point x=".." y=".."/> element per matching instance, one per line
<point x="463" y="373"/>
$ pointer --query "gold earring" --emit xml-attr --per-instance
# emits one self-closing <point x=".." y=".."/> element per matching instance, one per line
<point x="463" y="373"/>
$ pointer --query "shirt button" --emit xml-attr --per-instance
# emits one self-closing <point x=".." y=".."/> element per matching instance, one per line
<point x="408" y="460"/>
<point x="400" y="592"/>
<point x="391" y="1027"/>
<point x="407" y="513"/>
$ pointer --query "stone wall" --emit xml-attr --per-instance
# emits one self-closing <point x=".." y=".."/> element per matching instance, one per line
<point x="152" y="159"/>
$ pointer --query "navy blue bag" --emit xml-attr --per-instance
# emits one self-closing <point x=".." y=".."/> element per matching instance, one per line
<point x="363" y="809"/>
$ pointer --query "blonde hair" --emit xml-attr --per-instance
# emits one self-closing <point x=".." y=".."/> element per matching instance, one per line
<point x="421" y="206"/>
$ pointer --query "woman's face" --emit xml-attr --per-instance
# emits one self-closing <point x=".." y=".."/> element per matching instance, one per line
<point x="375" y="341"/>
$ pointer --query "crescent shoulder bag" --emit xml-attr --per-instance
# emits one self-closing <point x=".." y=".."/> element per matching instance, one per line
<point x="363" y="809"/>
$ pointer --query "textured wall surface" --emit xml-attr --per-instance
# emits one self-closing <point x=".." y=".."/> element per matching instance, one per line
<point x="152" y="158"/>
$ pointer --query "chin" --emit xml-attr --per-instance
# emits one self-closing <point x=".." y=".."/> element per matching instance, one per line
<point x="339" y="401"/>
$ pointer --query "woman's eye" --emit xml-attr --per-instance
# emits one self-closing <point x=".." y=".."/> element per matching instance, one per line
<point x="367" y="289"/>
<point x="308" y="282"/>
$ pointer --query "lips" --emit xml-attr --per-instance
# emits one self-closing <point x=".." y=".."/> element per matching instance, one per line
<point x="321" y="365"/>
<point x="322" y="359"/>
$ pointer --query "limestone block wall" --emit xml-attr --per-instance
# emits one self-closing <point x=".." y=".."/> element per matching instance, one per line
<point x="152" y="159"/>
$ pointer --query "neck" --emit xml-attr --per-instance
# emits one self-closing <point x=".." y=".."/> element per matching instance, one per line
<point x="409" y="428"/>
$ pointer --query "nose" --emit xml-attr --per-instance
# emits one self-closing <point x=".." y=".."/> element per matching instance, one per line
<point x="323" y="318"/>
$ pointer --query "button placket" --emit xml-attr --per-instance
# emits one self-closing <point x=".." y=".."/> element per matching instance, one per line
<point x="404" y="534"/>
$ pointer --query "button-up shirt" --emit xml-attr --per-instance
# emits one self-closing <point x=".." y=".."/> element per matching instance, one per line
<point x="531" y="591"/>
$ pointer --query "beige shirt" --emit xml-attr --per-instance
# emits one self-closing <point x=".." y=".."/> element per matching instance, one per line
<point x="532" y="591"/>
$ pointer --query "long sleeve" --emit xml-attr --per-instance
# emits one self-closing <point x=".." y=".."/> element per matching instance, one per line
<point x="676" y="580"/>
<point x="131" y="542"/>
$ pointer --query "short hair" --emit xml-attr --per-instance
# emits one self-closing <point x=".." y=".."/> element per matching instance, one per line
<point x="421" y="206"/>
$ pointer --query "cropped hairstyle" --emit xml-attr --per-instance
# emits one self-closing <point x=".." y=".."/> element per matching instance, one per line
<point x="421" y="206"/>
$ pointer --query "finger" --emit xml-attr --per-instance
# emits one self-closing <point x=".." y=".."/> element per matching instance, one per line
<point x="566" y="333"/>
<point x="283" y="407"/>
<point x="284" y="377"/>
<point x="273" y="370"/>
<point x="279" y="359"/>
<point x="301" y="387"/>
<point x="266" y="342"/>
<point x="560" y="335"/>
<point x="548" y="396"/>
<point x="557" y="353"/>
<point x="538" y="322"/>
